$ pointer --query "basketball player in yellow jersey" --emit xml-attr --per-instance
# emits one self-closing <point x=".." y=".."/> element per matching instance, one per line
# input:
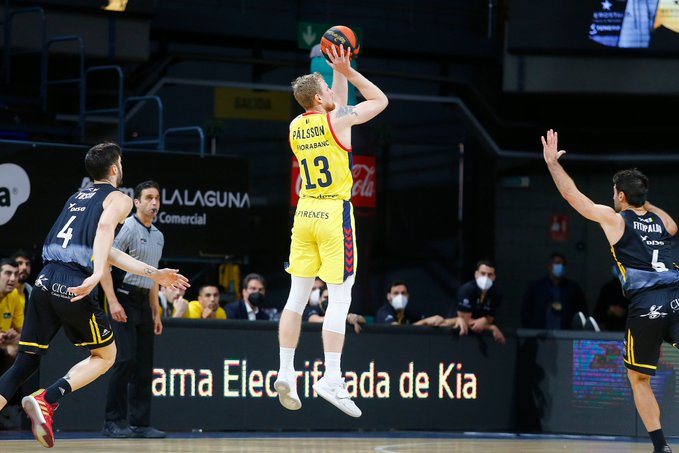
<point x="323" y="239"/>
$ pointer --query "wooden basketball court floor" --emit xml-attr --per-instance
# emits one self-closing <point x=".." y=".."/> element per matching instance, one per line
<point x="306" y="443"/>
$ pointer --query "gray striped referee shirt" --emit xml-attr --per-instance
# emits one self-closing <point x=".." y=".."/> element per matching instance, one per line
<point x="144" y="244"/>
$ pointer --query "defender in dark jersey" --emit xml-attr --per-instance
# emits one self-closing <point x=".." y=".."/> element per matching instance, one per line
<point x="641" y="237"/>
<point x="76" y="253"/>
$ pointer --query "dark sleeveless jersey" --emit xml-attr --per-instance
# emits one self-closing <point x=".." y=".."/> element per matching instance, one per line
<point x="644" y="254"/>
<point x="72" y="237"/>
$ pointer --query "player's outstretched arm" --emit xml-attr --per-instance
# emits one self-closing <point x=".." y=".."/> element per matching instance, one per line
<point x="375" y="100"/>
<point x="340" y="86"/>
<point x="602" y="214"/>
<point x="165" y="277"/>
<point x="667" y="219"/>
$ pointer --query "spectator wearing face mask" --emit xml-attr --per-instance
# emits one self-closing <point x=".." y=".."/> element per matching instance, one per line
<point x="315" y="309"/>
<point x="315" y="295"/>
<point x="477" y="301"/>
<point x="251" y="305"/>
<point x="553" y="301"/>
<point x="396" y="311"/>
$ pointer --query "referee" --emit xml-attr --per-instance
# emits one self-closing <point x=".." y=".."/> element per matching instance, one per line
<point x="135" y="315"/>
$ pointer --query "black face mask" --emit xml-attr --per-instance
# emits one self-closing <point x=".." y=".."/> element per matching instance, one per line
<point x="256" y="299"/>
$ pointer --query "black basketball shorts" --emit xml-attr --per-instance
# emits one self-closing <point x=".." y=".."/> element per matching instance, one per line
<point x="50" y="308"/>
<point x="653" y="318"/>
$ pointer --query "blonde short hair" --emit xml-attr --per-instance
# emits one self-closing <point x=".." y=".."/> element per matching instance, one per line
<point x="306" y="87"/>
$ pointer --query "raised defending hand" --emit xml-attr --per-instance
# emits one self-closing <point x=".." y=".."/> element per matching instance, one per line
<point x="170" y="277"/>
<point x="550" y="147"/>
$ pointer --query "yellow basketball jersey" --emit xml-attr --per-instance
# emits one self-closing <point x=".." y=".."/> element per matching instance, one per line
<point x="324" y="164"/>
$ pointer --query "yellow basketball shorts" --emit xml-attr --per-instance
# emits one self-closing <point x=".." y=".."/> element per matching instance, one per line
<point x="323" y="240"/>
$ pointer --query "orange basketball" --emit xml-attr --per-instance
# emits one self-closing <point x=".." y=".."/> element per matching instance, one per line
<point x="336" y="35"/>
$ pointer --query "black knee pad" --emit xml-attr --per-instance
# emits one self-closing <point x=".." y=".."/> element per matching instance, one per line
<point x="24" y="366"/>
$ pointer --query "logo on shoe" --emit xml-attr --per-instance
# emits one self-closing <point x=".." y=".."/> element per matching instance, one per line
<point x="15" y="188"/>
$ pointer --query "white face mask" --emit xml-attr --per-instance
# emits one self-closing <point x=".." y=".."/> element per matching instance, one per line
<point x="315" y="297"/>
<point x="399" y="302"/>
<point x="484" y="282"/>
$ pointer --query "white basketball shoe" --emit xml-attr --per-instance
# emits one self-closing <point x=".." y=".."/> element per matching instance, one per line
<point x="336" y="394"/>
<point x="286" y="386"/>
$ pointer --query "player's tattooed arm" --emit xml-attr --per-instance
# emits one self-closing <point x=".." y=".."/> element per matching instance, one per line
<point x="150" y="270"/>
<point x="346" y="110"/>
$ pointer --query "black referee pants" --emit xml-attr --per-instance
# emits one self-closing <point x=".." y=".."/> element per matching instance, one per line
<point x="131" y="375"/>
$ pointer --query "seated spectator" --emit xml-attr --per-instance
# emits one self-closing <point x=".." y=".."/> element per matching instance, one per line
<point x="169" y="298"/>
<point x="206" y="307"/>
<point x="478" y="299"/>
<point x="11" y="310"/>
<point x="611" y="307"/>
<point x="23" y="260"/>
<point x="249" y="307"/>
<point x="553" y="301"/>
<point x="315" y="310"/>
<point x="316" y="290"/>
<point x="396" y="311"/>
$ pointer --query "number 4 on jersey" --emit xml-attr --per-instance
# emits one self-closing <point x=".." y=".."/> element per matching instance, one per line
<point x="66" y="233"/>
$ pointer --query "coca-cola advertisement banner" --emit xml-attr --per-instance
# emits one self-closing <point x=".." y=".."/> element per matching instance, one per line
<point x="363" y="194"/>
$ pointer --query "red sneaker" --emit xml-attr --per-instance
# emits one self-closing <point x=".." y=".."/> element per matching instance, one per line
<point x="40" y="412"/>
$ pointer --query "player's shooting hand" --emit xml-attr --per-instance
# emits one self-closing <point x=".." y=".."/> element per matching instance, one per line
<point x="85" y="288"/>
<point x="550" y="147"/>
<point x="340" y="61"/>
<point x="171" y="277"/>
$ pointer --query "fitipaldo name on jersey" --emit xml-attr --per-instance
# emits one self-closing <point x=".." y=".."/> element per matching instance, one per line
<point x="648" y="227"/>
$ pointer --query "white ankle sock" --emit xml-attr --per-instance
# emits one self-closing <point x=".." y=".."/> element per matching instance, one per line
<point x="287" y="358"/>
<point x="332" y="366"/>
